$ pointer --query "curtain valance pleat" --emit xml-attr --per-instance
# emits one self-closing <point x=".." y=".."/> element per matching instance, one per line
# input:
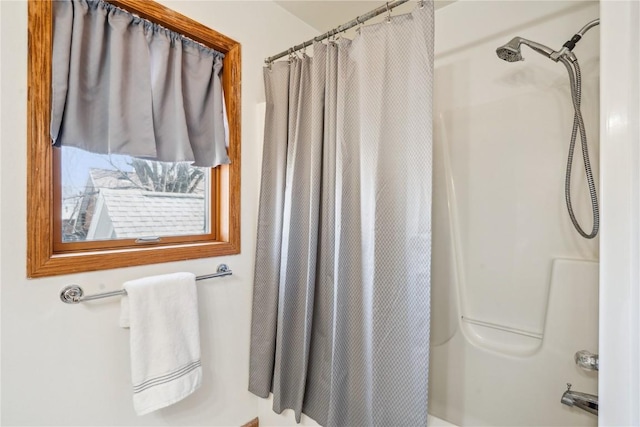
<point x="124" y="85"/>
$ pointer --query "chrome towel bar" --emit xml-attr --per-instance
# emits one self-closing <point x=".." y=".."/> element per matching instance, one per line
<point x="73" y="294"/>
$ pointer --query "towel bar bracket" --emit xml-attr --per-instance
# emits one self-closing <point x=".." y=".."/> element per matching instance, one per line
<point x="73" y="294"/>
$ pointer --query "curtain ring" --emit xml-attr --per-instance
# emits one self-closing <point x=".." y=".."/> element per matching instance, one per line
<point x="359" y="24"/>
<point x="388" y="13"/>
<point x="421" y="4"/>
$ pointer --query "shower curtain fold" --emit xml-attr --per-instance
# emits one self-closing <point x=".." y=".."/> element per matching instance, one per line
<point x="340" y="327"/>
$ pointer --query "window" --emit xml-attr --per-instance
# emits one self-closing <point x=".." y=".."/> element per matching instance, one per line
<point x="92" y="212"/>
<point x="119" y="198"/>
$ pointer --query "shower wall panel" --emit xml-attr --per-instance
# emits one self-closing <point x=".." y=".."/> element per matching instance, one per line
<point x="510" y="274"/>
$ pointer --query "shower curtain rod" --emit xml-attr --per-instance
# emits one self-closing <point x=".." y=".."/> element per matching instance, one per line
<point x="359" y="20"/>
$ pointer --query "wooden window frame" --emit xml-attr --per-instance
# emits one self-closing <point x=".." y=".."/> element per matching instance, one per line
<point x="42" y="260"/>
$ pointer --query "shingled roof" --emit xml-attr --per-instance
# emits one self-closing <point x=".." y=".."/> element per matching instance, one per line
<point x="137" y="213"/>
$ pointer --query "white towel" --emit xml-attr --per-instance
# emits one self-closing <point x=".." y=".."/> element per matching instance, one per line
<point x="162" y="313"/>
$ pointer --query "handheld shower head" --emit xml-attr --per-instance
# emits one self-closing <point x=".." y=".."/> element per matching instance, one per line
<point x="511" y="52"/>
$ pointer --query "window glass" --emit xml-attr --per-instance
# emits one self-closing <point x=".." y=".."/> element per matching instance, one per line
<point x="111" y="197"/>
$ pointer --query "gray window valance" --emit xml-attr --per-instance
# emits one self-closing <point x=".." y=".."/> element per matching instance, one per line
<point x="124" y="85"/>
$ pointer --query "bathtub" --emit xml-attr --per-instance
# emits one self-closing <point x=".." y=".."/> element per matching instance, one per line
<point x="268" y="418"/>
<point x="437" y="422"/>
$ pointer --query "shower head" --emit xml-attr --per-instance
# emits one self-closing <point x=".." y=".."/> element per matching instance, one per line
<point x="511" y="52"/>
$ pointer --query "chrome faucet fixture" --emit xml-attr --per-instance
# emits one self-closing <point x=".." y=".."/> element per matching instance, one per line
<point x="587" y="360"/>
<point x="584" y="401"/>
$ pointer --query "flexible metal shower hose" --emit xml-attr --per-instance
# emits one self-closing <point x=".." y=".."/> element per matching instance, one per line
<point x="575" y="79"/>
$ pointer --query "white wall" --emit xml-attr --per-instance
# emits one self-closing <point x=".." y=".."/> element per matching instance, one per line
<point x="69" y="365"/>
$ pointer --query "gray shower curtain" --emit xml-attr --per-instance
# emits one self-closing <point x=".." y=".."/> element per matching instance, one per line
<point x="340" y="327"/>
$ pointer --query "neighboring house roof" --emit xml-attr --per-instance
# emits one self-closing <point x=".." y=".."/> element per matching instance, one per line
<point x="131" y="213"/>
<point x="116" y="205"/>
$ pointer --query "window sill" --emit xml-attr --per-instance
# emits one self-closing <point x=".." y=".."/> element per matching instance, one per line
<point x="58" y="264"/>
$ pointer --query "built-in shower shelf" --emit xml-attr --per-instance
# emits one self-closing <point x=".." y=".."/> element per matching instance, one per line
<point x="502" y="338"/>
<point x="503" y="328"/>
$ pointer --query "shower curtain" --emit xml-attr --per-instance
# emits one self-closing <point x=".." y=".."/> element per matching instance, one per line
<point x="340" y="327"/>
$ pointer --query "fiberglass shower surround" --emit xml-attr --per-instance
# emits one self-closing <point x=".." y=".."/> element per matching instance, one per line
<point x="511" y="52"/>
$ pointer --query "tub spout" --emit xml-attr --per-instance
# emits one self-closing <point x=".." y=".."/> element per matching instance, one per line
<point x="584" y="401"/>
